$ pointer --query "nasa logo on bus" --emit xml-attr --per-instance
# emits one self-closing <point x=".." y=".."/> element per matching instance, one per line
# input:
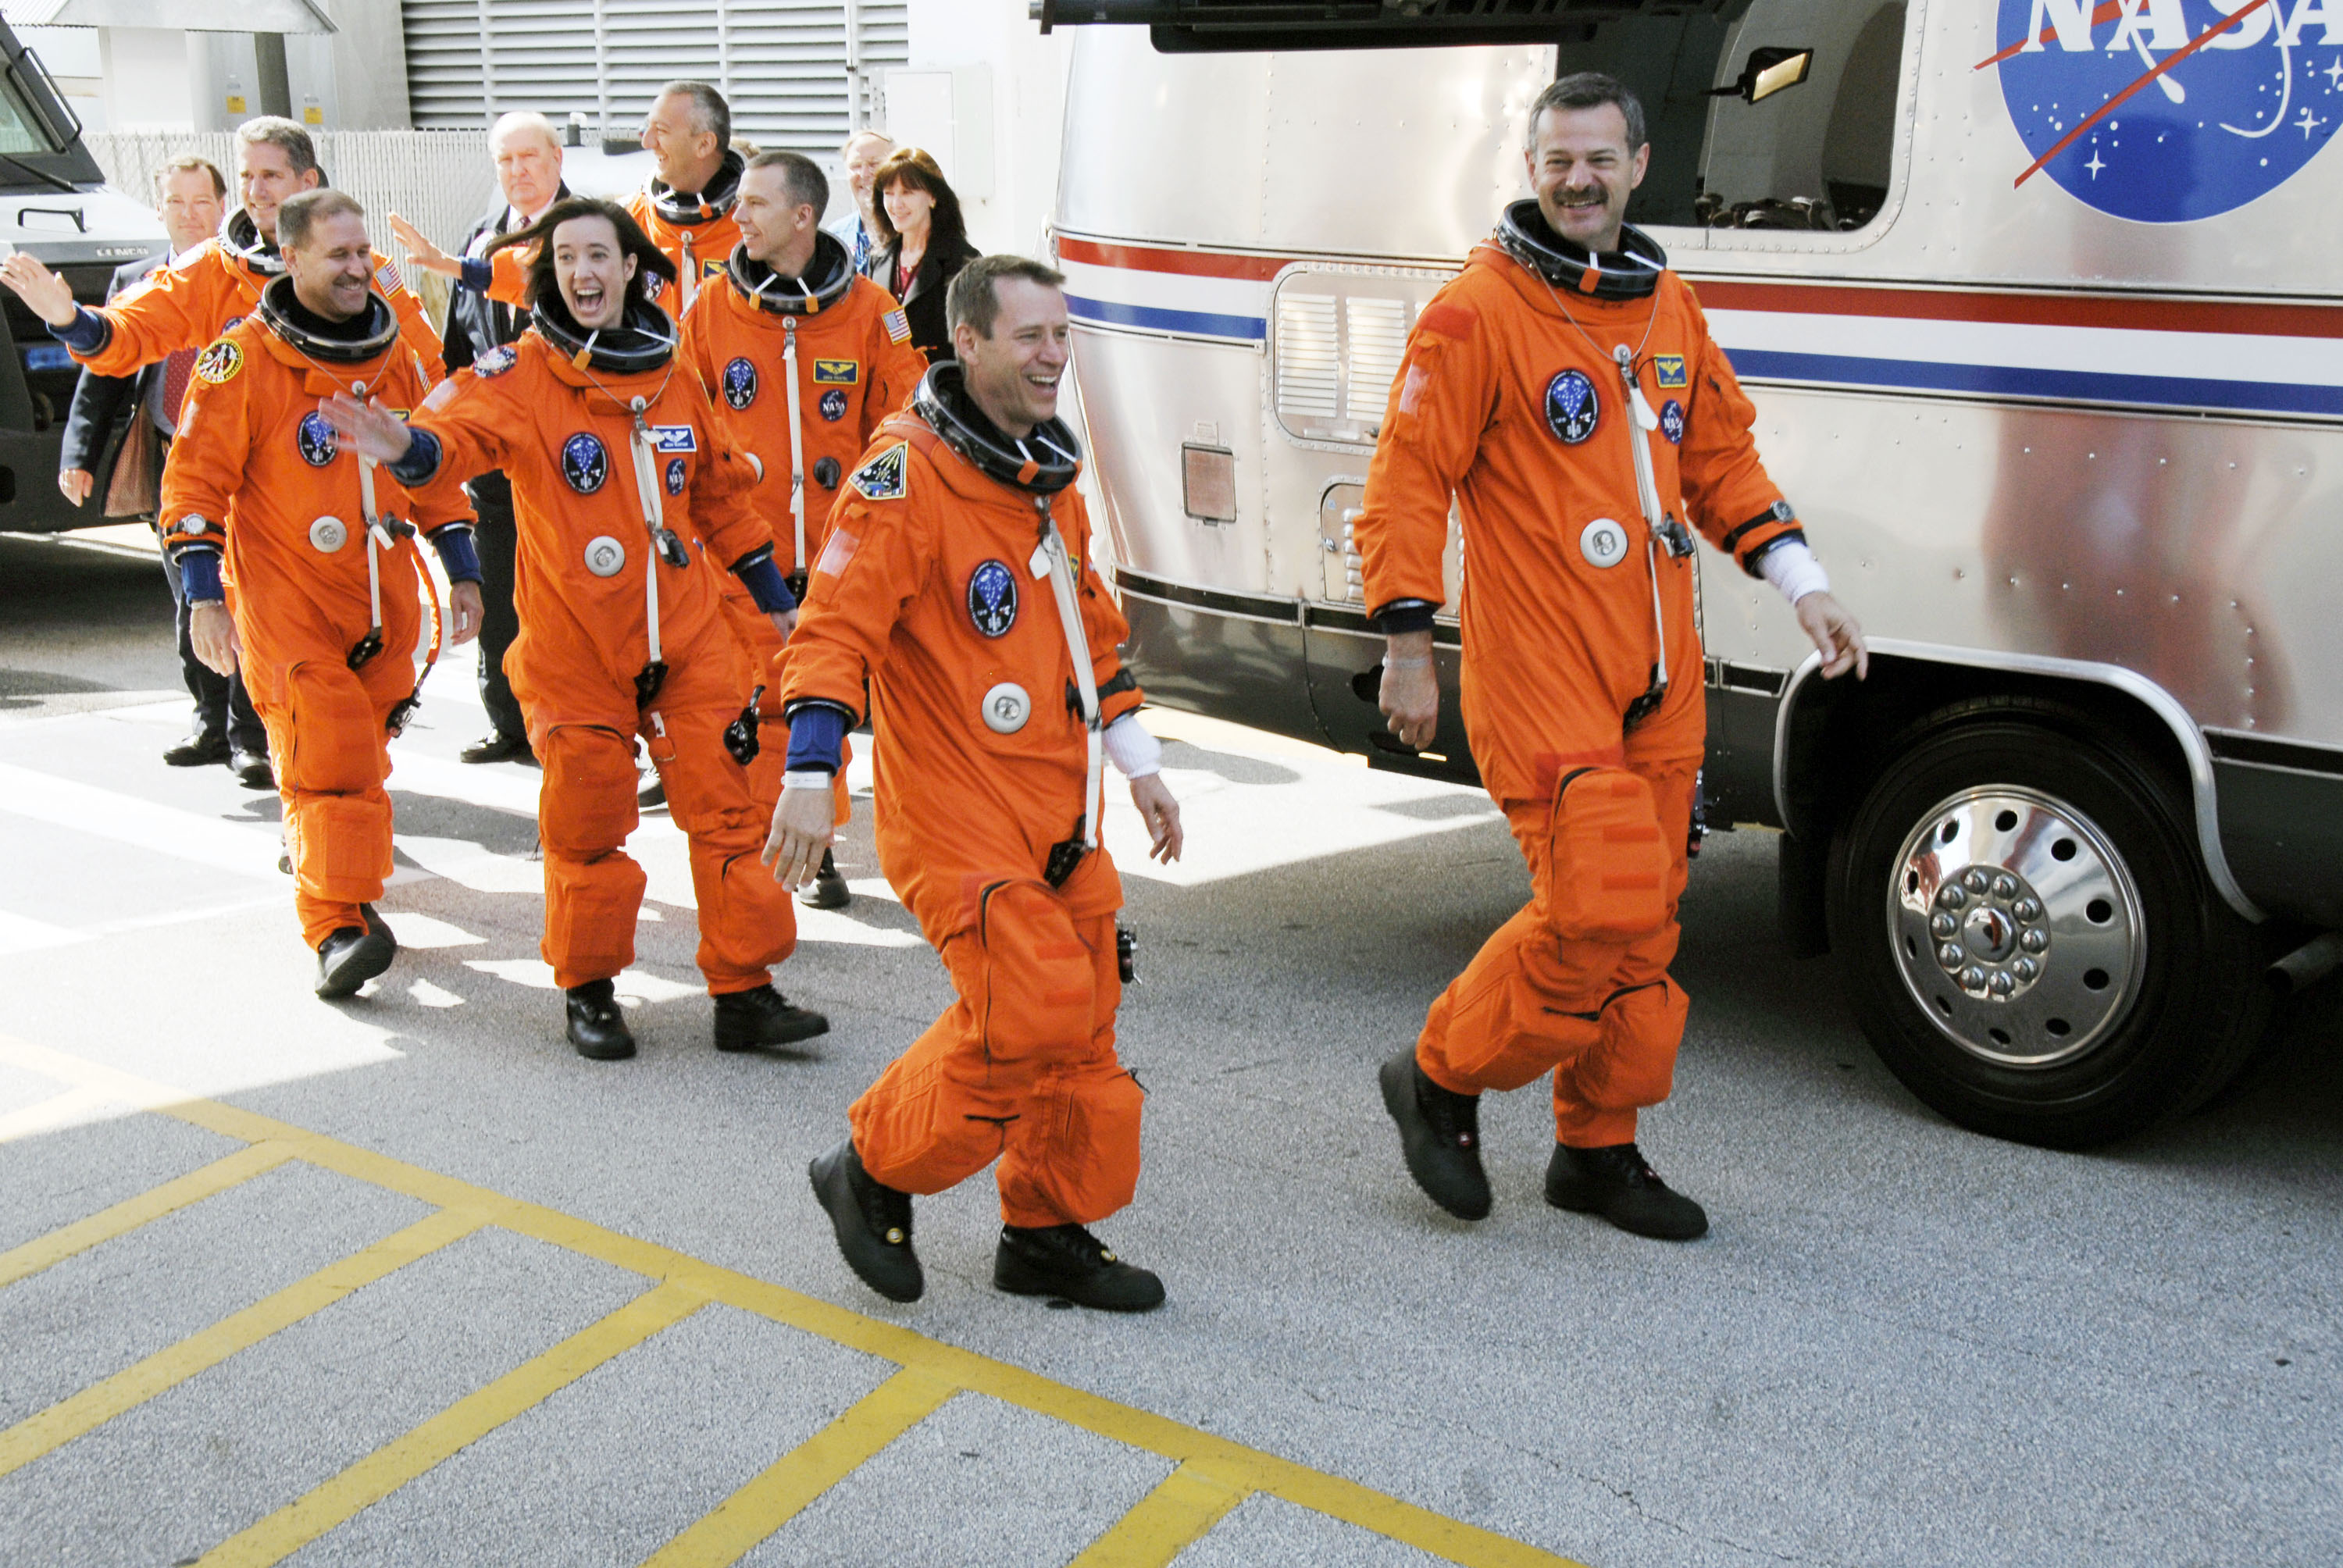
<point x="1571" y="407"/>
<point x="584" y="463"/>
<point x="316" y="439"/>
<point x="675" y="476"/>
<point x="1671" y="422"/>
<point x="992" y="598"/>
<point x="741" y="382"/>
<point x="833" y="405"/>
<point x="2169" y="111"/>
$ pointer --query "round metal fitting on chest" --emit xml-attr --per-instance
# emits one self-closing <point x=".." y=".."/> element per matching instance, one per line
<point x="327" y="535"/>
<point x="604" y="556"/>
<point x="1007" y="708"/>
<point x="1604" y="543"/>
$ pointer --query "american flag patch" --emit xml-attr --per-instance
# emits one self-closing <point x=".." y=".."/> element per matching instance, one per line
<point x="899" y="326"/>
<point x="388" y="279"/>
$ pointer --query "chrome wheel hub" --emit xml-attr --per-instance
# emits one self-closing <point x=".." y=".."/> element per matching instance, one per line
<point x="2016" y="925"/>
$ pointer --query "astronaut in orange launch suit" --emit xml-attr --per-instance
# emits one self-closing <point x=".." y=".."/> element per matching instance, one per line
<point x="622" y="489"/>
<point x="802" y="359"/>
<point x="296" y="569"/>
<point x="1565" y="390"/>
<point x="957" y="587"/>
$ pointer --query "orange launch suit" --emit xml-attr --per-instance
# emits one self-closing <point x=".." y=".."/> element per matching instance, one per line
<point x="1493" y="404"/>
<point x="563" y="435"/>
<point x="1022" y="1067"/>
<point x="855" y="366"/>
<point x="256" y="470"/>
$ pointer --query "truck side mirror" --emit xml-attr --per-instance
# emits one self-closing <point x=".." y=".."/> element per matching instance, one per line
<point x="1768" y="71"/>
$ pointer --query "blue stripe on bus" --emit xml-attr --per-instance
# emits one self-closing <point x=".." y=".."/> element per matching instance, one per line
<point x="1198" y="323"/>
<point x="2017" y="381"/>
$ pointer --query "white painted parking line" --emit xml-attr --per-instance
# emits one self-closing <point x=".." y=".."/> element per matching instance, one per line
<point x="145" y="824"/>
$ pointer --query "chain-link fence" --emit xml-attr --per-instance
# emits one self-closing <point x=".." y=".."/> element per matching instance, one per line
<point x="438" y="180"/>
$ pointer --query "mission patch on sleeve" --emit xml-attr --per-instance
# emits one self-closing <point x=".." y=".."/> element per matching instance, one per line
<point x="882" y="479"/>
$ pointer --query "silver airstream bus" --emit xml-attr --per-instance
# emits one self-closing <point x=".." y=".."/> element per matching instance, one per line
<point x="2037" y="303"/>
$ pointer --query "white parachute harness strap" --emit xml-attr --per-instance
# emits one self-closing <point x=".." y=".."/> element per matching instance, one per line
<point x="644" y="453"/>
<point x="1642" y="423"/>
<point x="689" y="281"/>
<point x="1053" y="559"/>
<point x="797" y="439"/>
<point x="377" y="539"/>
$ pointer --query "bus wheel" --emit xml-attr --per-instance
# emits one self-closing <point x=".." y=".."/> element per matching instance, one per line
<point x="2030" y="939"/>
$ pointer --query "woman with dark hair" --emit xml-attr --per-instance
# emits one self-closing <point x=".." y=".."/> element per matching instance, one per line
<point x="922" y="245"/>
<point x="618" y="470"/>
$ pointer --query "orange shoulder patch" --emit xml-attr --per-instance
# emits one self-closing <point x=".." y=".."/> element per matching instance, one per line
<point x="1447" y="319"/>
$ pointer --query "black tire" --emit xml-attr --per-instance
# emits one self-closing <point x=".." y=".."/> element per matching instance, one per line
<point x="2162" y="978"/>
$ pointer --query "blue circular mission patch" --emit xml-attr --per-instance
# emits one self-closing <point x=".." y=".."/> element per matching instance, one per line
<point x="1671" y="422"/>
<point x="833" y="405"/>
<point x="316" y="439"/>
<point x="584" y="463"/>
<point x="992" y="598"/>
<point x="1571" y="408"/>
<point x="741" y="382"/>
<point x="675" y="476"/>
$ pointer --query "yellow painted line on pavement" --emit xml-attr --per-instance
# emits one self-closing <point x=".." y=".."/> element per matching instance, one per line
<point x="205" y="1182"/>
<point x="1231" y="1463"/>
<point x="734" y="1527"/>
<point x="469" y="1418"/>
<point x="167" y="1368"/>
<point x="1166" y="1521"/>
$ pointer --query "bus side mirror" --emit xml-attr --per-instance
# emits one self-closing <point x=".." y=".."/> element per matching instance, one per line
<point x="1769" y="71"/>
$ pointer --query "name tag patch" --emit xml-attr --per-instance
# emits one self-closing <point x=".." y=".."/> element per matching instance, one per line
<point x="1671" y="370"/>
<point x="675" y="439"/>
<point x="837" y="372"/>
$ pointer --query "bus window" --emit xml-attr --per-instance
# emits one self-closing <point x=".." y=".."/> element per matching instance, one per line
<point x="1815" y="155"/>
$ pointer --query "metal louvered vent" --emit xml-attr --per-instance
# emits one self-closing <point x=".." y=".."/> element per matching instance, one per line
<point x="799" y="74"/>
<point x="1309" y="361"/>
<point x="1340" y="339"/>
<point x="1377" y="341"/>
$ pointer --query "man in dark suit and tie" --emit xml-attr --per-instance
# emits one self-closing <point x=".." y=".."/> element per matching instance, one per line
<point x="122" y="427"/>
<point x="527" y="155"/>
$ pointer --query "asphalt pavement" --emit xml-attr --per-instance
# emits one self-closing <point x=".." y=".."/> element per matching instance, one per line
<point x="402" y="1280"/>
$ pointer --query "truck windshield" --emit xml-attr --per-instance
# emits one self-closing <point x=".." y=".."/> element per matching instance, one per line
<point x="21" y="130"/>
<point x="1812" y="156"/>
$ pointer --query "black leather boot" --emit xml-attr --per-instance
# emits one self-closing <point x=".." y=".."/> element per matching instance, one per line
<point x="746" y="1019"/>
<point x="200" y="749"/>
<point x="597" y="1030"/>
<point x="873" y="1223"/>
<point x="354" y="954"/>
<point x="1618" y="1183"/>
<point x="1069" y="1262"/>
<point x="828" y="890"/>
<point x="1439" y="1133"/>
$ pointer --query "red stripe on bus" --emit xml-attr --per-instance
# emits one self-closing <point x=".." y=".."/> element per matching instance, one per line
<point x="1188" y="263"/>
<point x="2221" y="316"/>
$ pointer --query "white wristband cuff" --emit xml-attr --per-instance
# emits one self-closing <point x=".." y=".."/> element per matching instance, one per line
<point x="1134" y="753"/>
<point x="806" y="779"/>
<point x="1791" y="567"/>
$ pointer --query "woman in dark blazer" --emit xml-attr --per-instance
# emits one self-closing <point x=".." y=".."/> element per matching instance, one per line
<point x="922" y="245"/>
